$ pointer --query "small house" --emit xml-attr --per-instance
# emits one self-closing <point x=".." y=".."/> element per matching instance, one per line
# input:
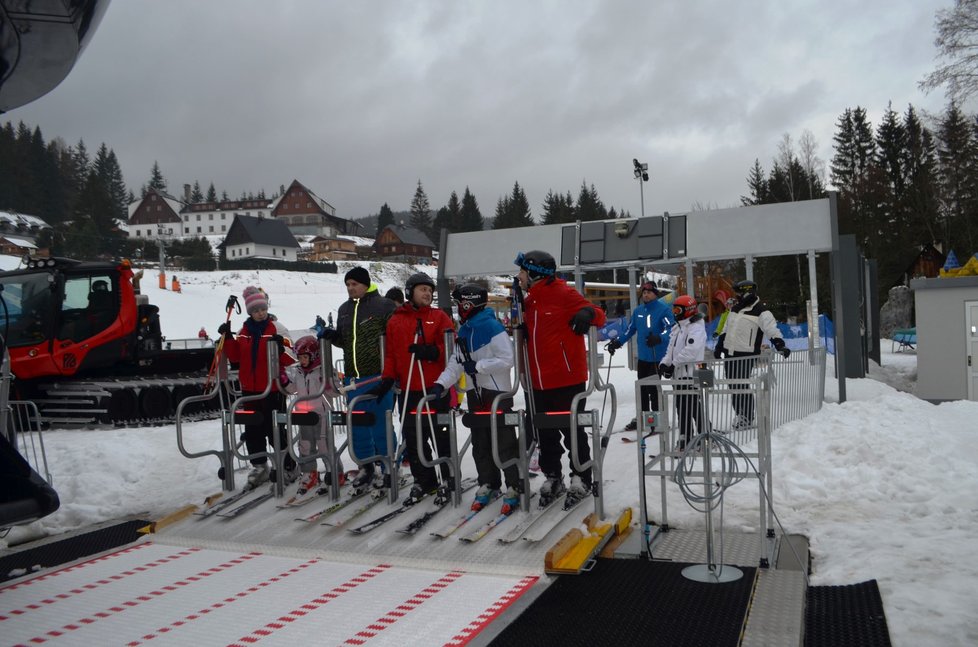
<point x="254" y="237"/>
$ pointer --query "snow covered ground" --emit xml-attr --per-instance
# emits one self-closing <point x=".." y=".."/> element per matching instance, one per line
<point x="880" y="484"/>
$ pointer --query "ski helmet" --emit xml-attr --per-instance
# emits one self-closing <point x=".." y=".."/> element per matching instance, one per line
<point x="683" y="307"/>
<point x="743" y="288"/>
<point x="471" y="298"/>
<point x="538" y="264"/>
<point x="415" y="280"/>
<point x="308" y="345"/>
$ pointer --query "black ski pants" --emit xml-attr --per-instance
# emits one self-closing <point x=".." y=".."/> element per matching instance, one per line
<point x="650" y="393"/>
<point x="259" y="435"/>
<point x="559" y="400"/>
<point x="485" y="465"/>
<point x="426" y="476"/>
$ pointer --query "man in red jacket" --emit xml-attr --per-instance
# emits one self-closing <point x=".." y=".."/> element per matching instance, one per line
<point x="414" y="357"/>
<point x="557" y="317"/>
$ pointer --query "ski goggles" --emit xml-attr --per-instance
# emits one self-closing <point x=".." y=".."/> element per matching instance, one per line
<point x="528" y="265"/>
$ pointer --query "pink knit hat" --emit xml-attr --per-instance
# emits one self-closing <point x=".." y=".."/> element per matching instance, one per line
<point x="254" y="298"/>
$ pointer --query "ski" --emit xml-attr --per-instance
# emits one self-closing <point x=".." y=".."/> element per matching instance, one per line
<point x="448" y="530"/>
<point x="473" y="537"/>
<point x="299" y="500"/>
<point x="531" y="519"/>
<point x="364" y="503"/>
<point x="226" y="502"/>
<point x="351" y="496"/>
<point x="540" y="531"/>
<point x="435" y="508"/>
<point x="248" y="505"/>
<point x="384" y="518"/>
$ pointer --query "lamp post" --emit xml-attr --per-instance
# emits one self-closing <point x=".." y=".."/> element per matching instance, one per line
<point x="642" y="175"/>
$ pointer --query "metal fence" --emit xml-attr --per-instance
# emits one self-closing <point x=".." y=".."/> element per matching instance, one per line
<point x="23" y="429"/>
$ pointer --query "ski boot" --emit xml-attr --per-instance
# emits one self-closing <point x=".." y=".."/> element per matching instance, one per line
<point x="511" y="501"/>
<point x="552" y="488"/>
<point x="483" y="496"/>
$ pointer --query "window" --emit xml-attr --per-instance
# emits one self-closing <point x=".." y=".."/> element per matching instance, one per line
<point x="159" y="207"/>
<point x="186" y="218"/>
<point x="247" y="250"/>
<point x="152" y="197"/>
<point x="296" y="205"/>
<point x="309" y="205"/>
<point x="224" y="216"/>
<point x="224" y="228"/>
<point x="198" y="217"/>
<point x="186" y="230"/>
<point x="211" y="229"/>
<point x="274" y="252"/>
<point x="210" y="216"/>
<point x="198" y="230"/>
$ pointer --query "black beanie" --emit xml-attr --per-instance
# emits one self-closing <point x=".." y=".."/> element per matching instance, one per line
<point x="359" y="275"/>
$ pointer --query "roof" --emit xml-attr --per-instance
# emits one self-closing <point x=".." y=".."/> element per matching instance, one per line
<point x="321" y="204"/>
<point x="265" y="231"/>
<point x="20" y="242"/>
<point x="15" y="219"/>
<point x="410" y="235"/>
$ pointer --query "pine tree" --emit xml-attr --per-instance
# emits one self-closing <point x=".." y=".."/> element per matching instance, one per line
<point x="920" y="168"/>
<point x="384" y="218"/>
<point x="499" y="220"/>
<point x="421" y="211"/>
<point x="156" y="180"/>
<point x="956" y="174"/>
<point x="589" y="205"/>
<point x="211" y="193"/>
<point x="196" y="195"/>
<point x="757" y="185"/>
<point x="454" y="208"/>
<point x="471" y="216"/>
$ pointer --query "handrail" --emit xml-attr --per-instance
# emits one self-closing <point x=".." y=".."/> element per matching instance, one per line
<point x="225" y="454"/>
<point x="522" y="458"/>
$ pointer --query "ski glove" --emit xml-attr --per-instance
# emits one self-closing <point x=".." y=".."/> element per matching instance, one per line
<point x="581" y="321"/>
<point x="382" y="389"/>
<point x="469" y="367"/>
<point x="612" y="346"/>
<point x="438" y="391"/>
<point x="780" y="347"/>
<point x="283" y="379"/>
<point x="225" y="330"/>
<point x="653" y="340"/>
<point x="666" y="370"/>
<point x="718" y="351"/>
<point x="427" y="352"/>
<point x="329" y="334"/>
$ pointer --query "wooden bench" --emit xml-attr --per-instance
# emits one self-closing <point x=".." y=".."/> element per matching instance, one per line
<point x="904" y="339"/>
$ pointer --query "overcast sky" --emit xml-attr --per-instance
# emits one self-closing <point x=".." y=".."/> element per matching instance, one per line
<point x="360" y="100"/>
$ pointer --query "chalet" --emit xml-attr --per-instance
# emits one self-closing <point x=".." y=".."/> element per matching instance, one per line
<point x="926" y="263"/>
<point x="404" y="244"/>
<point x="19" y="233"/>
<point x="215" y="218"/>
<point x="332" y="249"/>
<point x="254" y="237"/>
<point x="156" y="215"/>
<point x="307" y="214"/>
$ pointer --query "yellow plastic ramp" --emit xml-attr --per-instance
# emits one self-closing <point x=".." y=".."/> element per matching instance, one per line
<point x="575" y="551"/>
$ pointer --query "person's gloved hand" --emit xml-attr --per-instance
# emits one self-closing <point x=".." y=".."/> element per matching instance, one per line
<point x="581" y="321"/>
<point x="469" y="367"/>
<point x="329" y="334"/>
<point x="381" y="389"/>
<point x="283" y="378"/>
<point x="438" y="391"/>
<point x="225" y="330"/>
<point x="666" y="370"/>
<point x="779" y="346"/>
<point x="612" y="346"/>
<point x="426" y="352"/>
<point x="653" y="340"/>
<point x="719" y="351"/>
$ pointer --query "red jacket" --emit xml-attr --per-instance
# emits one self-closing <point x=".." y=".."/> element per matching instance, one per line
<point x="401" y="330"/>
<point x="253" y="367"/>
<point x="557" y="356"/>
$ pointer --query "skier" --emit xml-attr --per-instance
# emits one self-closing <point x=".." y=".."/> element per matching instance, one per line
<point x="687" y="342"/>
<point x="305" y="379"/>
<point x="360" y="323"/>
<point x="651" y="322"/>
<point x="249" y="352"/>
<point x="484" y="354"/>
<point x="557" y="317"/>
<point x="746" y="325"/>
<point x="414" y="357"/>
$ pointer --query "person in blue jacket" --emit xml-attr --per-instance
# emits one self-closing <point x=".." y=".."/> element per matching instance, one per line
<point x="650" y="325"/>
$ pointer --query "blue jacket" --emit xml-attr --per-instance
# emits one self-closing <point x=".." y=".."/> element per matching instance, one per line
<point x="647" y="318"/>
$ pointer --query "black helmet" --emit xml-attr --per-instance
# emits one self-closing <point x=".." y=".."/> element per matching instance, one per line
<point x="471" y="298"/>
<point x="537" y="264"/>
<point x="414" y="280"/>
<point x="743" y="288"/>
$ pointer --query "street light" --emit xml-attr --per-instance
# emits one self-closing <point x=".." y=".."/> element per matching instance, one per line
<point x="642" y="175"/>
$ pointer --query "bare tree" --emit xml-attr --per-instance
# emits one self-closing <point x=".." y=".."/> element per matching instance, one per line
<point x="786" y="153"/>
<point x="810" y="161"/>
<point x="957" y="44"/>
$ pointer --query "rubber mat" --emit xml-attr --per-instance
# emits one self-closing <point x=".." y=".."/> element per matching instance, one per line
<point x="633" y="602"/>
<point x="69" y="549"/>
<point x="836" y="616"/>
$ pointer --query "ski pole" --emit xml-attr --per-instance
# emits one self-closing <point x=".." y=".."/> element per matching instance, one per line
<point x="407" y="387"/>
<point x="232" y="305"/>
<point x="463" y="347"/>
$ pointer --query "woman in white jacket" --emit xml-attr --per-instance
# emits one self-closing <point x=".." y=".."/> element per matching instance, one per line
<point x="687" y="343"/>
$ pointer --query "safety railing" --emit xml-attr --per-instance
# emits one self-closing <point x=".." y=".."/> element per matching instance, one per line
<point x="23" y="429"/>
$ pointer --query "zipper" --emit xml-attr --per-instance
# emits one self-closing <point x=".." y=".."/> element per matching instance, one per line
<point x="356" y="308"/>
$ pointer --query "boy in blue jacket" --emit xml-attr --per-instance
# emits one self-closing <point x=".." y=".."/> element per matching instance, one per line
<point x="651" y="321"/>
